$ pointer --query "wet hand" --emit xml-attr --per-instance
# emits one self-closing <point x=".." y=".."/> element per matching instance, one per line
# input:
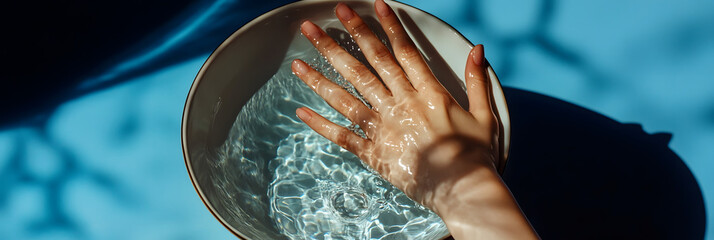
<point x="418" y="137"/>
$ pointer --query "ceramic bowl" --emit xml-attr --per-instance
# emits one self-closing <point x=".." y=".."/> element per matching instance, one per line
<point x="254" y="53"/>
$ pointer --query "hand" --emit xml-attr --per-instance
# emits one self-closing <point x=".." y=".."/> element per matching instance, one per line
<point x="411" y="115"/>
<point x="418" y="137"/>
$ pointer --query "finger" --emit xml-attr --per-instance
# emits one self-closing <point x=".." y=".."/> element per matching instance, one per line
<point x="405" y="51"/>
<point x="377" y="54"/>
<point x="350" y="68"/>
<point x="333" y="132"/>
<point x="337" y="97"/>
<point x="478" y="85"/>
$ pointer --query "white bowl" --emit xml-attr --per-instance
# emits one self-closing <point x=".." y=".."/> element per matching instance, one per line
<point x="252" y="54"/>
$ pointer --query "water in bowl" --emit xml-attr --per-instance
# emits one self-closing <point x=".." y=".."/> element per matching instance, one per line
<point x="318" y="190"/>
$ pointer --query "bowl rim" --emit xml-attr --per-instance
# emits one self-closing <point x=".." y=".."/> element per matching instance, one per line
<point x="503" y="116"/>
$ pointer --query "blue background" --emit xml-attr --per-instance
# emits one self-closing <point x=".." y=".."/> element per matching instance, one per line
<point x="101" y="158"/>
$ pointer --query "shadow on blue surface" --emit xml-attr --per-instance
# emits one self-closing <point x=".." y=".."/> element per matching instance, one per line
<point x="580" y="175"/>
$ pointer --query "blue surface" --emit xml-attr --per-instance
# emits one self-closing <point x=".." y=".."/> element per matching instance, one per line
<point x="108" y="164"/>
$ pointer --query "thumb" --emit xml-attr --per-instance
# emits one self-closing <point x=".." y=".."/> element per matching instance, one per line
<point x="478" y="84"/>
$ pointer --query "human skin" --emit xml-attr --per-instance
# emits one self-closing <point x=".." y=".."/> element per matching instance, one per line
<point x="418" y="137"/>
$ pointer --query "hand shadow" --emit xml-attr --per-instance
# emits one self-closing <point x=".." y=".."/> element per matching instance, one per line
<point x="579" y="175"/>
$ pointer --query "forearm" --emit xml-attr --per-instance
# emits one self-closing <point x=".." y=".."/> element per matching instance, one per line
<point x="480" y="206"/>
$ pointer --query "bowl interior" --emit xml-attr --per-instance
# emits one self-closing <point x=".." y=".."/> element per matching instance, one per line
<point x="242" y="64"/>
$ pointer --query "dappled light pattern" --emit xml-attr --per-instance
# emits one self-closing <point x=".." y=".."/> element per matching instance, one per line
<point x="106" y="162"/>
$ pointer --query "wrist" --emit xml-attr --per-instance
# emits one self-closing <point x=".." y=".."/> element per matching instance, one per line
<point x="453" y="163"/>
<point x="480" y="206"/>
<point x="480" y="184"/>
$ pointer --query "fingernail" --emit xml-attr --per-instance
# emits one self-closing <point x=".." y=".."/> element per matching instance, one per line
<point x="311" y="29"/>
<point x="344" y="12"/>
<point x="382" y="8"/>
<point x="477" y="54"/>
<point x="303" y="114"/>
<point x="299" y="67"/>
